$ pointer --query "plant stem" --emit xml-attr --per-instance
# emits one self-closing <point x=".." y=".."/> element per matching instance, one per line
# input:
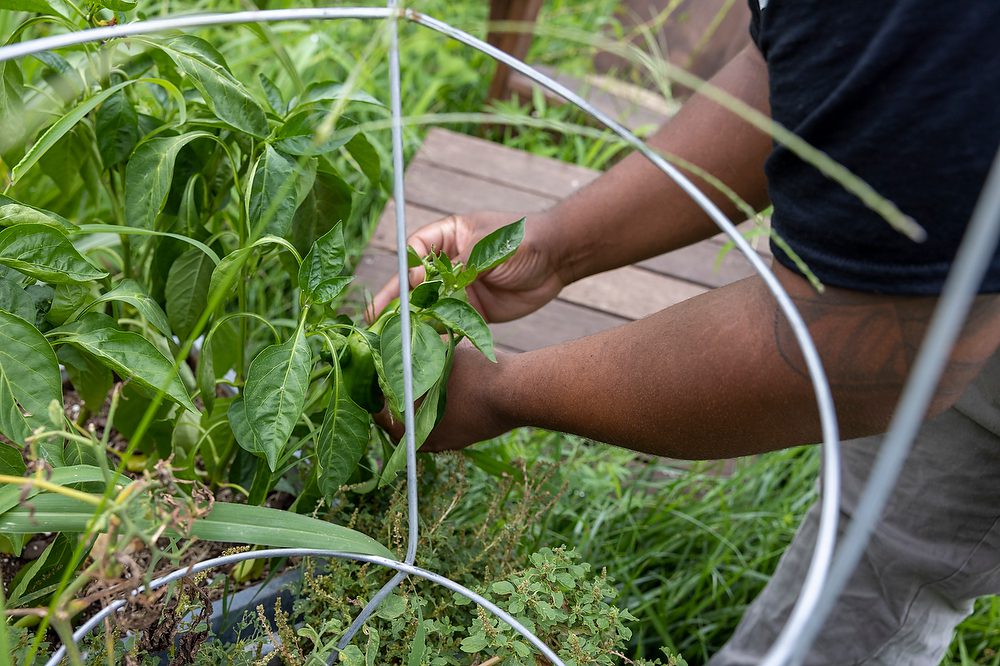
<point x="4" y="641"/>
<point x="93" y="500"/>
<point x="65" y="631"/>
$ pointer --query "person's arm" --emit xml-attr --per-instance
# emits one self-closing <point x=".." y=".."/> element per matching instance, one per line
<point x="716" y="376"/>
<point x="632" y="212"/>
<point x="635" y="211"/>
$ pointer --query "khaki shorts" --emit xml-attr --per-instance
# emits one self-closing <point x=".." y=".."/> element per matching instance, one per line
<point x="935" y="550"/>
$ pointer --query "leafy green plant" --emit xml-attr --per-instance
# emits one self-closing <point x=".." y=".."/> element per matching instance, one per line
<point x="132" y="273"/>
<point x="478" y="531"/>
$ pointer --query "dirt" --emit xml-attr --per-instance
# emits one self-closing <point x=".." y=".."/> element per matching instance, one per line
<point x="156" y="614"/>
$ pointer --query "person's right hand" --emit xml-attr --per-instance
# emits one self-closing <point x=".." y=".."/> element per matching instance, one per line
<point x="519" y="286"/>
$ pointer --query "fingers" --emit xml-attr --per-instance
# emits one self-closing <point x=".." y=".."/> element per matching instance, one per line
<point x="440" y="236"/>
<point x="389" y="291"/>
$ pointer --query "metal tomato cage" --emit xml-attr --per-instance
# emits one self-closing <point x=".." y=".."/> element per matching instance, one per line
<point x="830" y="566"/>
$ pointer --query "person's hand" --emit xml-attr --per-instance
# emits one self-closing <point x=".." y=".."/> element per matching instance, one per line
<point x="519" y="286"/>
<point x="470" y="415"/>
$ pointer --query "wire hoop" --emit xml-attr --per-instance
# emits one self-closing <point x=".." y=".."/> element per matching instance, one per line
<point x="816" y="597"/>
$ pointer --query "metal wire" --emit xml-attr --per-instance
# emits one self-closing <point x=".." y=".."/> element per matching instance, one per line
<point x="151" y="26"/>
<point x="969" y="268"/>
<point x="826" y="538"/>
<point x="402" y="567"/>
<point x="823" y="550"/>
<point x="409" y="432"/>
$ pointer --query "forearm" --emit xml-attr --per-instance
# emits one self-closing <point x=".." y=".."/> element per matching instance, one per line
<point x="720" y="375"/>
<point x="694" y="381"/>
<point x="634" y="211"/>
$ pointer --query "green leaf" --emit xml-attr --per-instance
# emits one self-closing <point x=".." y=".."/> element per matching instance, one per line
<point x="12" y="114"/>
<point x="343" y="439"/>
<point x="502" y="587"/>
<point x="205" y="375"/>
<point x="330" y="91"/>
<point x="464" y="319"/>
<point x="117" y="129"/>
<point x="474" y="643"/>
<point x="261" y="526"/>
<point x="371" y="650"/>
<point x="68" y="121"/>
<point x="49" y="565"/>
<point x="429" y="414"/>
<point x="14" y="212"/>
<point x="273" y="397"/>
<point x="130" y="231"/>
<point x="118" y="5"/>
<point x="328" y="202"/>
<point x="46" y="254"/>
<point x="429" y="356"/>
<point x="300" y="134"/>
<point x="37" y="6"/>
<point x="132" y="356"/>
<point x="187" y="291"/>
<point x="91" y="379"/>
<point x="426" y="293"/>
<point x="228" y="271"/>
<point x="11" y="461"/>
<point x="412" y="258"/>
<point x="188" y="215"/>
<point x="69" y="299"/>
<point x="273" y="195"/>
<point x="15" y="300"/>
<point x="228" y="99"/>
<point x="149" y="174"/>
<point x="11" y="464"/>
<point x="366" y="156"/>
<point x="29" y="378"/>
<point x="12" y="495"/>
<point x="71" y="161"/>
<point x="131" y="292"/>
<point x="496" y="247"/>
<point x="392" y="607"/>
<point x="319" y="274"/>
<point x="418" y="647"/>
<point x="273" y="94"/>
<point x="233" y="523"/>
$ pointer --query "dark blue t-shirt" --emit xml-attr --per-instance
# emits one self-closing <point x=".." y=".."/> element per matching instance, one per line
<point x="904" y="93"/>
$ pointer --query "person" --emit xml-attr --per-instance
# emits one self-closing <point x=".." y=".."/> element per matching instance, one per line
<point x="904" y="95"/>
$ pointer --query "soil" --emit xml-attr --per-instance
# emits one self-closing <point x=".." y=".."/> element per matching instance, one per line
<point x="155" y="614"/>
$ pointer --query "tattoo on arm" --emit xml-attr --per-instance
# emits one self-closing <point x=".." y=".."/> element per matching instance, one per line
<point x="868" y="342"/>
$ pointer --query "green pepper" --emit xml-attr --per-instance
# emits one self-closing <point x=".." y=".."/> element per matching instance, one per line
<point x="358" y="373"/>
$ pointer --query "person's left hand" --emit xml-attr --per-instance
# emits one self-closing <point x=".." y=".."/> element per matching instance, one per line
<point x="470" y="415"/>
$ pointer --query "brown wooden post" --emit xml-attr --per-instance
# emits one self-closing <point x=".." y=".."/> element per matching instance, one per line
<point x="514" y="43"/>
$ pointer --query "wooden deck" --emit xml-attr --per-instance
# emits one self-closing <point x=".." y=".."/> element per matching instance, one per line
<point x="456" y="173"/>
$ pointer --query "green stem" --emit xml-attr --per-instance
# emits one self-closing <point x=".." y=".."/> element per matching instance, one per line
<point x="65" y="632"/>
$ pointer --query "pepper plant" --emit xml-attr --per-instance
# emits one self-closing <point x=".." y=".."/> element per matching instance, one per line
<point x="175" y="244"/>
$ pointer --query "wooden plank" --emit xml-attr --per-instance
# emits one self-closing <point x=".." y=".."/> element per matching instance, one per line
<point x="495" y="162"/>
<point x="557" y="322"/>
<point x="696" y="263"/>
<point x="416" y="217"/>
<point x="632" y="293"/>
<point x="450" y="191"/>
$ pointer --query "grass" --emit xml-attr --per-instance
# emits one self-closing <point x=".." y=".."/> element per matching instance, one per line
<point x="689" y="550"/>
